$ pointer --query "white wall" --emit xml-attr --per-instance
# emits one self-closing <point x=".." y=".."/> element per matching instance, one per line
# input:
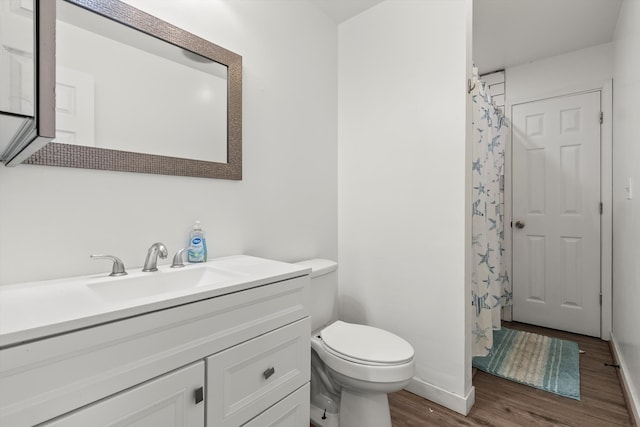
<point x="51" y="219"/>
<point x="626" y="213"/>
<point x="402" y="184"/>
<point x="548" y="76"/>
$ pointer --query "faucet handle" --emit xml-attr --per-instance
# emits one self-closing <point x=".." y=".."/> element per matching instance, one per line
<point x="178" y="258"/>
<point x="118" y="266"/>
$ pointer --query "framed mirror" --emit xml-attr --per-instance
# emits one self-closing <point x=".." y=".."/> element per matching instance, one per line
<point x="137" y="94"/>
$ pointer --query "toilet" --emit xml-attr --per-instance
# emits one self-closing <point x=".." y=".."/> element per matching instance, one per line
<point x="353" y="366"/>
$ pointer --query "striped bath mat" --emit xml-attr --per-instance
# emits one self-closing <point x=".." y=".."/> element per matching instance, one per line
<point x="546" y="363"/>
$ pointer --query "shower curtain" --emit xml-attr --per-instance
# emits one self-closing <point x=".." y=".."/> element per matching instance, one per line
<point x="490" y="282"/>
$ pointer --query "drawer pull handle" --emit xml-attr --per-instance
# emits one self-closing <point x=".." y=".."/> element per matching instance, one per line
<point x="199" y="395"/>
<point x="269" y="372"/>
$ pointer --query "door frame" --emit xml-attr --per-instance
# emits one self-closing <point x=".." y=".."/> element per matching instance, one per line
<point x="605" y="87"/>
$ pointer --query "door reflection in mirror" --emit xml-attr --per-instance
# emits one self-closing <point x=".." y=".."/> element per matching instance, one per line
<point x="122" y="89"/>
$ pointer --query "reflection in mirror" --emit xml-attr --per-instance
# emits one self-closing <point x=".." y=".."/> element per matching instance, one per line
<point x="16" y="67"/>
<point x="16" y="57"/>
<point x="26" y="80"/>
<point x="137" y="94"/>
<point x="180" y="103"/>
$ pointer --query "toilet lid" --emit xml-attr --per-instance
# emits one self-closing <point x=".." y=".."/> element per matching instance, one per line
<point x="366" y="343"/>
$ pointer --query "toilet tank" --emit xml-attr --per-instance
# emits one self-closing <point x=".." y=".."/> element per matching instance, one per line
<point x="324" y="291"/>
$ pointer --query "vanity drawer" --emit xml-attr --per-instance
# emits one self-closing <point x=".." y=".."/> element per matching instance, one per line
<point x="293" y="410"/>
<point x="245" y="380"/>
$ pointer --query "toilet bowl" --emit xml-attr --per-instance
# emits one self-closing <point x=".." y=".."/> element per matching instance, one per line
<point x="353" y="366"/>
<point x="365" y="363"/>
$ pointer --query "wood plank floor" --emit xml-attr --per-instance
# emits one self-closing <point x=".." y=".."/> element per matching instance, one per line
<point x="504" y="403"/>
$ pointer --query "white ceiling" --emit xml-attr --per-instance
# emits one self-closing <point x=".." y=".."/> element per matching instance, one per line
<point x="341" y="10"/>
<point x="514" y="32"/>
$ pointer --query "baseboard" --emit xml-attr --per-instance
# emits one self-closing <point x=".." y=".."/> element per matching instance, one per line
<point x="460" y="404"/>
<point x="632" y="398"/>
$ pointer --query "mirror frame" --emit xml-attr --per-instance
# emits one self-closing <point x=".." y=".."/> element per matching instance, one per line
<point x="77" y="156"/>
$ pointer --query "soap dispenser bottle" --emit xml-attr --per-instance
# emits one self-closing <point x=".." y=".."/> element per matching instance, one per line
<point x="197" y="244"/>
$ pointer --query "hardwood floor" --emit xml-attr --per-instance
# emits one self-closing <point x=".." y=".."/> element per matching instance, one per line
<point x="502" y="403"/>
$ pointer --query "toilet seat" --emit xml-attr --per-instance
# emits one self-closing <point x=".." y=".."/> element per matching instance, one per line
<point x="361" y="364"/>
<point x="365" y="344"/>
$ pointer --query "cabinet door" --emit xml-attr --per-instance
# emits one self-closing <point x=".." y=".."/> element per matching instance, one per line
<point x="292" y="411"/>
<point x="167" y="401"/>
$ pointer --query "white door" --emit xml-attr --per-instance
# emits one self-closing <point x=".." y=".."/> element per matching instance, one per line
<point x="556" y="213"/>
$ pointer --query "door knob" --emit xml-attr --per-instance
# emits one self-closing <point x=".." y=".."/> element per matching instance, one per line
<point x="519" y="224"/>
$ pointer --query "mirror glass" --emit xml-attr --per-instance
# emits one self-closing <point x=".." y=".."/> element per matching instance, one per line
<point x="179" y="102"/>
<point x="26" y="79"/>
<point x="138" y="94"/>
<point x="16" y="67"/>
<point x="16" y="57"/>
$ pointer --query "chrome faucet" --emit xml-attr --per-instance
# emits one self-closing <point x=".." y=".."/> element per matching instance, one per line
<point x="156" y="250"/>
<point x="118" y="266"/>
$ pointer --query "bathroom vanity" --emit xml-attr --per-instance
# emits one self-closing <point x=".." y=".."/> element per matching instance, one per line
<point x="224" y="343"/>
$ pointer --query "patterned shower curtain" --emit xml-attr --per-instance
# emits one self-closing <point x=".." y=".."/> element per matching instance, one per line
<point x="491" y="289"/>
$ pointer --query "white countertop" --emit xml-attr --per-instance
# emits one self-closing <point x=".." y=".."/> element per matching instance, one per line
<point x="35" y="310"/>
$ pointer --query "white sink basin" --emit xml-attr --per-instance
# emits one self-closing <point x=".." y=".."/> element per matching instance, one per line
<point x="38" y="309"/>
<point x="145" y="285"/>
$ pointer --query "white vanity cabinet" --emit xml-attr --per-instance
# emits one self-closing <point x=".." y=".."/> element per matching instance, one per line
<point x="246" y="353"/>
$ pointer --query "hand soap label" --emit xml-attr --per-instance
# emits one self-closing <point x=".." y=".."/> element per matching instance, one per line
<point x="197" y="250"/>
<point x="197" y="244"/>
